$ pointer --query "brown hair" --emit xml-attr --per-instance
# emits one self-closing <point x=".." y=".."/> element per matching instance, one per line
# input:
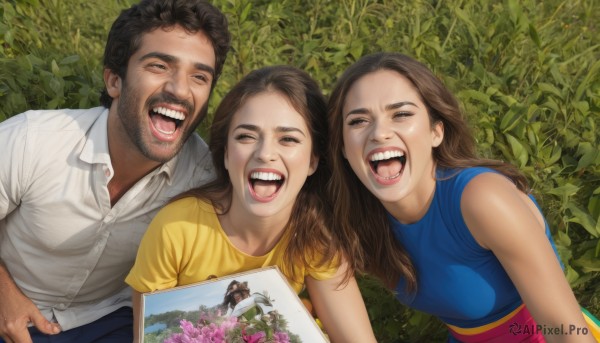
<point x="233" y="288"/>
<point x="125" y="36"/>
<point x="308" y="229"/>
<point x="358" y="213"/>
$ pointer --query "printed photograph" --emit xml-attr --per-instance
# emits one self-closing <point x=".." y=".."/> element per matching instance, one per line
<point x="251" y="307"/>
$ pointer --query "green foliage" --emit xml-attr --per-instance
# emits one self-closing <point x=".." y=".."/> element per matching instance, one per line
<point x="526" y="72"/>
<point x="392" y="322"/>
<point x="51" y="54"/>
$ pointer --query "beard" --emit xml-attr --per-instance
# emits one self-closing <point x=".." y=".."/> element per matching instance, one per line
<point x="142" y="139"/>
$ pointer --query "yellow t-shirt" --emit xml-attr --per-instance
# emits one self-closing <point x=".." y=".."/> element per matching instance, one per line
<point x="185" y="244"/>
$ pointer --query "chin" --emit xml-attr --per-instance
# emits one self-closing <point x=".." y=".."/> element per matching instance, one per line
<point x="162" y="154"/>
<point x="389" y="194"/>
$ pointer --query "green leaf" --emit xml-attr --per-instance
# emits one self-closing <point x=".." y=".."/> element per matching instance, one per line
<point x="518" y="150"/>
<point x="475" y="95"/>
<point x="69" y="60"/>
<point x="549" y="88"/>
<point x="56" y="86"/>
<point x="588" y="155"/>
<point x="584" y="219"/>
<point x="594" y="208"/>
<point x="9" y="11"/>
<point x="589" y="262"/>
<point x="564" y="239"/>
<point x="356" y="49"/>
<point x="245" y="12"/>
<point x="509" y="120"/>
<point x="55" y="68"/>
<point x="584" y="84"/>
<point x="532" y="110"/>
<point x="9" y="37"/>
<point x="556" y="154"/>
<point x="534" y="36"/>
<point x="463" y="16"/>
<point x="566" y="190"/>
<point x="571" y="275"/>
<point x="582" y="106"/>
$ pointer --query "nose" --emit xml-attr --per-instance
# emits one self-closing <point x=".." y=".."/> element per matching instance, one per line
<point x="178" y="85"/>
<point x="266" y="152"/>
<point x="380" y="131"/>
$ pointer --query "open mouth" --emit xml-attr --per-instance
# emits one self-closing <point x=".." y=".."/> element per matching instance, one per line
<point x="265" y="185"/>
<point x="387" y="165"/>
<point x="165" y="120"/>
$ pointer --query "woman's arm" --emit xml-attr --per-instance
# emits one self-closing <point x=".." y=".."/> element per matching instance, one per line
<point x="504" y="220"/>
<point x="341" y="308"/>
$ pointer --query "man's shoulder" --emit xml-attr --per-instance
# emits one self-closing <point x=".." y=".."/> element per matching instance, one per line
<point x="61" y="119"/>
<point x="195" y="147"/>
<point x="195" y="160"/>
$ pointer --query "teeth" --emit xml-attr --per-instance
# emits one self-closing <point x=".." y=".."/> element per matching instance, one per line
<point x="380" y="156"/>
<point x="169" y="113"/>
<point x="265" y="176"/>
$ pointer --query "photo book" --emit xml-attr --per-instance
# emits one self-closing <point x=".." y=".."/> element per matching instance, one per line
<point x="257" y="306"/>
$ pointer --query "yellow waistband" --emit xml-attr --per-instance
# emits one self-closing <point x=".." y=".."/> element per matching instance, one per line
<point x="486" y="327"/>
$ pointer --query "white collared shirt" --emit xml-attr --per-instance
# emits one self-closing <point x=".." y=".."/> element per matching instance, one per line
<point x="66" y="248"/>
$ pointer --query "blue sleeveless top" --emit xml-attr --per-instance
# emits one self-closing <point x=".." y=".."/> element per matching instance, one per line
<point x="457" y="280"/>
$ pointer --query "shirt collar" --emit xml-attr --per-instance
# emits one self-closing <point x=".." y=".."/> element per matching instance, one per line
<point x="95" y="149"/>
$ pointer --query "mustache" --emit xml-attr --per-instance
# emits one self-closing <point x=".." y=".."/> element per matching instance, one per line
<point x="169" y="99"/>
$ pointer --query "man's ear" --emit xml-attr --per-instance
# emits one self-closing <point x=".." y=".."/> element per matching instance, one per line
<point x="437" y="134"/>
<point x="314" y="164"/>
<point x="113" y="83"/>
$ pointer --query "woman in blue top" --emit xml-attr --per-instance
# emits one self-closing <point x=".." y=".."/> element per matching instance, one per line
<point x="452" y="234"/>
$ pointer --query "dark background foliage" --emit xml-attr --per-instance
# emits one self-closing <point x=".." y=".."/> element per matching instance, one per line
<point x="526" y="72"/>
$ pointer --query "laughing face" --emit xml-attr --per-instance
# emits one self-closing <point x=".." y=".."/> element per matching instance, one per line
<point x="268" y="156"/>
<point x="388" y="138"/>
<point x="164" y="95"/>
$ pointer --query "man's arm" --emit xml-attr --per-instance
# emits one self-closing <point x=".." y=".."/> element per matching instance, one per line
<point x="16" y="310"/>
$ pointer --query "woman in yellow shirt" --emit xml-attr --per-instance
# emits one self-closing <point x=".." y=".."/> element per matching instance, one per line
<point x="264" y="208"/>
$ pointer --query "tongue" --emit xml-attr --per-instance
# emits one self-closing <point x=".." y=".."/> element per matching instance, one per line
<point x="389" y="168"/>
<point x="264" y="189"/>
<point x="163" y="124"/>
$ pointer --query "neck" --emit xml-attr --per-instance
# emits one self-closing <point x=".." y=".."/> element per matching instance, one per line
<point x="125" y="177"/>
<point x="253" y="235"/>
<point x="129" y="164"/>
<point x="415" y="205"/>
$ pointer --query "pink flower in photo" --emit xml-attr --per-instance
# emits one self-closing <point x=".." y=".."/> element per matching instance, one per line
<point x="281" y="337"/>
<point x="202" y="334"/>
<point x="229" y="323"/>
<point x="258" y="337"/>
<point x="212" y="328"/>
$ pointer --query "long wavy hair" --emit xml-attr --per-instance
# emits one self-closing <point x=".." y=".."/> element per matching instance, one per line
<point x="310" y="243"/>
<point x="358" y="214"/>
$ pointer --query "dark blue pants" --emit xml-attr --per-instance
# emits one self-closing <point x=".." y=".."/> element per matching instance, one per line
<point x="116" y="327"/>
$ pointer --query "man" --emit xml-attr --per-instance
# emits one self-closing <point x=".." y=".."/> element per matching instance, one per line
<point x="79" y="187"/>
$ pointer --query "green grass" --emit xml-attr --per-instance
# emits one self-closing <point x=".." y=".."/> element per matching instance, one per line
<point x="527" y="73"/>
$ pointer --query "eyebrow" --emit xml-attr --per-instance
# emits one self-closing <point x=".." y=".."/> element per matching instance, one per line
<point x="389" y="107"/>
<point x="172" y="59"/>
<point x="282" y="129"/>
